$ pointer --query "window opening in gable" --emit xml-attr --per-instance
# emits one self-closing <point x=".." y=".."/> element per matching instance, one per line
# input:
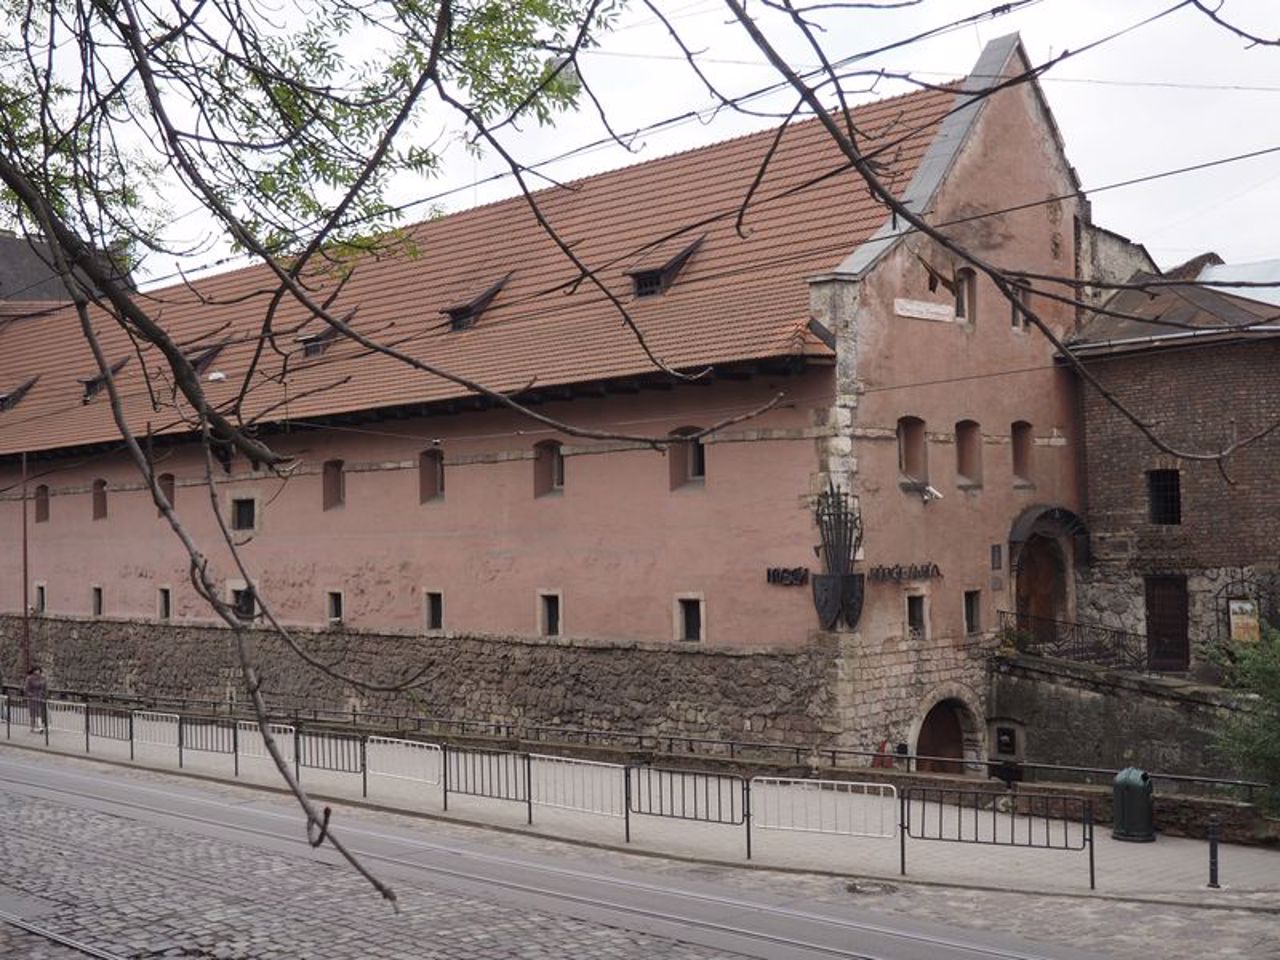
<point x="42" y="503"/>
<point x="968" y="453"/>
<point x="687" y="458"/>
<point x="430" y="475"/>
<point x="1021" y="290"/>
<point x="966" y="295"/>
<point x="335" y="484"/>
<point x="99" y="499"/>
<point x="167" y="486"/>
<point x="1020" y="438"/>
<point x="93" y="385"/>
<point x="11" y="399"/>
<point x="651" y="279"/>
<point x="913" y="461"/>
<point x="1164" y="492"/>
<point x="548" y="468"/>
<point x="464" y="315"/>
<point x="244" y="513"/>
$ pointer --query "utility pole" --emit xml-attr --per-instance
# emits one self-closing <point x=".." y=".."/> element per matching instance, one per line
<point x="26" y="586"/>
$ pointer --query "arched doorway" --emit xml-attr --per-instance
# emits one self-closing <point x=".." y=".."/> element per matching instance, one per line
<point x="1041" y="583"/>
<point x="941" y="739"/>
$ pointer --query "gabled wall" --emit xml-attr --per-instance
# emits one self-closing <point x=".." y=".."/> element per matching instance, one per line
<point x="987" y="369"/>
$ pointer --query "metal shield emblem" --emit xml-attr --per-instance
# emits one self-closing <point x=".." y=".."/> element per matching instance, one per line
<point x="851" y="592"/>
<point x="826" y="598"/>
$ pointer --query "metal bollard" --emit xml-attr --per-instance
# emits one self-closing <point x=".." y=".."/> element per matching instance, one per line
<point x="1213" y="852"/>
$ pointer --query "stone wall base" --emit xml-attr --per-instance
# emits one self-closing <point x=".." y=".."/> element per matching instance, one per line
<point x="775" y="695"/>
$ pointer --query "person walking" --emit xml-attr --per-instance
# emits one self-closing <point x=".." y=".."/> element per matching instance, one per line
<point x="36" y="689"/>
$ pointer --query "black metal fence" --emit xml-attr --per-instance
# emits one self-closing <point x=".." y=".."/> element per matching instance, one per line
<point x="996" y="818"/>
<point x="889" y="757"/>
<point x="1081" y="642"/>
<point x="721" y="798"/>
<point x="496" y="774"/>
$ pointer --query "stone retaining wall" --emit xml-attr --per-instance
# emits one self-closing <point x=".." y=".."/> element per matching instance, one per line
<point x="1080" y="714"/>
<point x="780" y="695"/>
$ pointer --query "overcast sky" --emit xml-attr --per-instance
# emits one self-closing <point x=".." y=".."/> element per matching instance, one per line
<point x="1173" y="93"/>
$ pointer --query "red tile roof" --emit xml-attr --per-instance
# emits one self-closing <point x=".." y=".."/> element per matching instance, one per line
<point x="736" y="299"/>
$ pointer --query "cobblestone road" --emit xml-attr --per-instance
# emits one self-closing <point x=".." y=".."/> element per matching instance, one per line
<point x="147" y="892"/>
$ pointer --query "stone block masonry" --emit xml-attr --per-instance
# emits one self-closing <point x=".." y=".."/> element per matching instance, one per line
<point x="668" y="689"/>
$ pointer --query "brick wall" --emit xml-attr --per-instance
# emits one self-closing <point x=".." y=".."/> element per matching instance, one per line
<point x="1197" y="398"/>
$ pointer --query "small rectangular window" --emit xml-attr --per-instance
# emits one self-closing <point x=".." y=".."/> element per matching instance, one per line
<point x="99" y="499"/>
<point x="690" y="619"/>
<point x="1164" y="490"/>
<point x="334" y="606"/>
<point x="435" y="611"/>
<point x="973" y="611"/>
<point x="430" y="475"/>
<point x="997" y="556"/>
<point x="164" y="604"/>
<point x="335" y="487"/>
<point x="1021" y="291"/>
<point x="97" y="601"/>
<point x="1021" y="440"/>
<point x="167" y="486"/>
<point x="42" y="504"/>
<point x="244" y="604"/>
<point x="244" y="513"/>
<point x="915" y="617"/>
<point x="550" y="615"/>
<point x="41" y="601"/>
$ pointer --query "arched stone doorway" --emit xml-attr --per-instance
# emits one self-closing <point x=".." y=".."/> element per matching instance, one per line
<point x="1045" y="544"/>
<point x="948" y="734"/>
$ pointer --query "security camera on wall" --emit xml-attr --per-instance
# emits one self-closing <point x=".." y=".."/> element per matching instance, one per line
<point x="930" y="493"/>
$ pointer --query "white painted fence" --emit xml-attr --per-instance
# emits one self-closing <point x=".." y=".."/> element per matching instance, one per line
<point x="825" y="806"/>
<point x="410" y="760"/>
<point x="584" y="786"/>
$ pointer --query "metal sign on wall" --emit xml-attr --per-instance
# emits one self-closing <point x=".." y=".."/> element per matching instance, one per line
<point x="904" y="571"/>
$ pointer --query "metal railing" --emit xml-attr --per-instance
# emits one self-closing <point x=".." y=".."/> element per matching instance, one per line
<point x="1080" y="642"/>
<point x="1002" y="819"/>
<point x="809" y="756"/>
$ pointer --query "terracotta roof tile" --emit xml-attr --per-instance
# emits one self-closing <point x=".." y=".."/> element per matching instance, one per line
<point x="738" y="297"/>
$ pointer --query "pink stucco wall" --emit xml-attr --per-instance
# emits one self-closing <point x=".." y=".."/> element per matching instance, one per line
<point x="986" y="370"/>
<point x="617" y="542"/>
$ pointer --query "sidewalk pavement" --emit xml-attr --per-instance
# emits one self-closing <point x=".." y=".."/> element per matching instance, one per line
<point x="1172" y="869"/>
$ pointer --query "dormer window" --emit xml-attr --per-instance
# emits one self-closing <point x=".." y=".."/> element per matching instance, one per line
<point x="11" y="399"/>
<point x="464" y="315"/>
<point x="202" y="359"/>
<point x="92" y="385"/>
<point x="655" y="274"/>
<point x="314" y="344"/>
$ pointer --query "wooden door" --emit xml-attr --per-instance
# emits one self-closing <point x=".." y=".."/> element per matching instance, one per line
<point x="1168" y="647"/>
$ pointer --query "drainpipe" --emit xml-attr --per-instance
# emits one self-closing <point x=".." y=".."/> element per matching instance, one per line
<point x="26" y="588"/>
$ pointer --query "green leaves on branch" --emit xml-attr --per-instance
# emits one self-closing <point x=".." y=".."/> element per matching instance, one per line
<point x="292" y="120"/>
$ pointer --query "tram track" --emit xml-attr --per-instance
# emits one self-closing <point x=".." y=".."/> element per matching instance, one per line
<point x="624" y="902"/>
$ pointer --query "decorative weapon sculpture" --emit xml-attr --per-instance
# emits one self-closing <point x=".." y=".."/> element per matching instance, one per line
<point x="839" y="590"/>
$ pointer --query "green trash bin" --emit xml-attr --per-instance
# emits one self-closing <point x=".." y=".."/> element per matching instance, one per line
<point x="1132" y="808"/>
